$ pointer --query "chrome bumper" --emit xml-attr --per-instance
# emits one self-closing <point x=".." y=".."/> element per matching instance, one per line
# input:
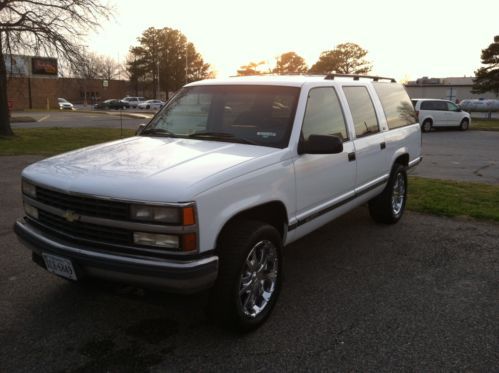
<point x="185" y="276"/>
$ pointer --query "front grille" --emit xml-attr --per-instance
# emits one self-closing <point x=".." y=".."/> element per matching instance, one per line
<point x="84" y="205"/>
<point x="85" y="231"/>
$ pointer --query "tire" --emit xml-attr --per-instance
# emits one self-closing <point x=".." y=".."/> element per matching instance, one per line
<point x="465" y="124"/>
<point x="148" y="107"/>
<point x="389" y="206"/>
<point x="249" y="277"/>
<point x="426" y="126"/>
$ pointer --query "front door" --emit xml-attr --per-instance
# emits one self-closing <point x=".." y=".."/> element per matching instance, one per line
<point x="323" y="180"/>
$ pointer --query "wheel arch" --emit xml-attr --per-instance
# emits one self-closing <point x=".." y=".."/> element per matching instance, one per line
<point x="273" y="213"/>
<point x="402" y="159"/>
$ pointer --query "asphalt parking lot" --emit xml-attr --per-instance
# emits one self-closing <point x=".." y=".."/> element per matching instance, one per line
<point x="422" y="295"/>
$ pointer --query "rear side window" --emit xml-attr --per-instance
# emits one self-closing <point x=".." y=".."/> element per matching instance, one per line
<point x="398" y="108"/>
<point x="362" y="109"/>
<point x="434" y="105"/>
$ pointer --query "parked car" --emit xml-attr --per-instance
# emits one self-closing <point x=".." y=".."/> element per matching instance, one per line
<point x="209" y="193"/>
<point x="433" y="113"/>
<point x="64" y="104"/>
<point x="133" y="101"/>
<point x="151" y="104"/>
<point x="112" y="104"/>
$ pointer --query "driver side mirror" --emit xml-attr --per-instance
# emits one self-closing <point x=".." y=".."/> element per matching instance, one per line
<point x="321" y="144"/>
<point x="140" y="128"/>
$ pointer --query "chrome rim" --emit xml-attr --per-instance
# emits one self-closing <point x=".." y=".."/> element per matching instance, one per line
<point x="464" y="125"/>
<point x="398" y="195"/>
<point x="427" y="126"/>
<point x="258" y="278"/>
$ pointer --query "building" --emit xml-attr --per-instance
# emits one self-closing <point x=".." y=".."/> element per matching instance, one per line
<point x="42" y="93"/>
<point x="35" y="83"/>
<point x="453" y="89"/>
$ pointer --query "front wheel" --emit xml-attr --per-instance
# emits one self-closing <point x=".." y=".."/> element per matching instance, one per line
<point x="426" y="126"/>
<point x="388" y="207"/>
<point x="465" y="124"/>
<point x="249" y="278"/>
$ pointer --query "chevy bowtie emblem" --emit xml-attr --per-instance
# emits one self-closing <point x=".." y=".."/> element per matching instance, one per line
<point x="71" y="216"/>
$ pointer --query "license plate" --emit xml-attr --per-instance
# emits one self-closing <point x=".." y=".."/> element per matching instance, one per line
<point x="59" y="266"/>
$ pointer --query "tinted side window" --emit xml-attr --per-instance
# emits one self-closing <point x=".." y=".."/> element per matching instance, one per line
<point x="323" y="115"/>
<point x="362" y="109"/>
<point x="398" y="108"/>
<point x="427" y="105"/>
<point x="441" y="105"/>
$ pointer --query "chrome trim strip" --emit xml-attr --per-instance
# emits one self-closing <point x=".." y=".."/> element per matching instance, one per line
<point x="338" y="202"/>
<point x="372" y="184"/>
<point x="129" y="225"/>
<point x="118" y="259"/>
<point x="415" y="162"/>
<point x="324" y="206"/>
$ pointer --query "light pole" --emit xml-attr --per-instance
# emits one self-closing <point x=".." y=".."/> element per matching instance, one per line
<point x="157" y="92"/>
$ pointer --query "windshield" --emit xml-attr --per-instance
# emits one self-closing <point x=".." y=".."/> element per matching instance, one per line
<point x="250" y="114"/>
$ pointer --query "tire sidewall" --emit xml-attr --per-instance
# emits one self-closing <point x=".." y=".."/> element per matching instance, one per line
<point x="245" y="322"/>
<point x="465" y="123"/>
<point x="398" y="170"/>
<point x="426" y="126"/>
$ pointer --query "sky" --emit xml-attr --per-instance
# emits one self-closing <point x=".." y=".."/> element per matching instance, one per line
<point x="404" y="39"/>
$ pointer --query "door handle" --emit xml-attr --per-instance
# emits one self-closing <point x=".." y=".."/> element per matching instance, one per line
<point x="351" y="156"/>
<point x="382" y="145"/>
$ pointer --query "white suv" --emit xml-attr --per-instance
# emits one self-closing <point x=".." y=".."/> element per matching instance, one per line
<point x="227" y="174"/>
<point x="440" y="113"/>
<point x="134" y="102"/>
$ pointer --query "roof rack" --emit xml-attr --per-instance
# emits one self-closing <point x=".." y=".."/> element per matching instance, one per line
<point x="358" y="77"/>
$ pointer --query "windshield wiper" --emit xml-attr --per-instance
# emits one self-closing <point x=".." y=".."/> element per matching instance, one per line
<point x="158" y="132"/>
<point x="221" y="136"/>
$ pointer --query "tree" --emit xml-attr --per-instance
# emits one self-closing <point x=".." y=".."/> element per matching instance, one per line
<point x="487" y="77"/>
<point x="251" y="69"/>
<point x="166" y="59"/>
<point x="96" y="66"/>
<point x="290" y="63"/>
<point x="44" y="27"/>
<point x="346" y="58"/>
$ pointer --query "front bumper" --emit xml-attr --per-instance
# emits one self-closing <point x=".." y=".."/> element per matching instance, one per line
<point x="183" y="276"/>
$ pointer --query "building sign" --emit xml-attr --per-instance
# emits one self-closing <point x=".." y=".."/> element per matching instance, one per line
<point x="17" y="65"/>
<point x="44" y="66"/>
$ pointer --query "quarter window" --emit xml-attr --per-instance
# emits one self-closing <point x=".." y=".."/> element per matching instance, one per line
<point x="398" y="108"/>
<point x="323" y="115"/>
<point x="362" y="109"/>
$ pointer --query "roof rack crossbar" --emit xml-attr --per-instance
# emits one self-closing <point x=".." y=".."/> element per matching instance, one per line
<point x="358" y="77"/>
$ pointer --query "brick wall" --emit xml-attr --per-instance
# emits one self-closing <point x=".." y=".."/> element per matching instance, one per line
<point x="46" y="90"/>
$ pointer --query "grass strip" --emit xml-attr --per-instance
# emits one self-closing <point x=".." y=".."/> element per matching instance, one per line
<point x="485" y="124"/>
<point x="55" y="140"/>
<point x="454" y="198"/>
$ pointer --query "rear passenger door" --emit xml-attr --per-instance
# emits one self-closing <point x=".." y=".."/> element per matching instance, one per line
<point x="370" y="147"/>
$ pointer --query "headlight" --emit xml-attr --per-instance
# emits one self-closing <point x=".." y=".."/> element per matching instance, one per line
<point x="153" y="239"/>
<point x="163" y="214"/>
<point x="156" y="214"/>
<point x="30" y="210"/>
<point x="29" y="189"/>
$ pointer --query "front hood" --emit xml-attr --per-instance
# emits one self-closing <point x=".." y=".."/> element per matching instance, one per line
<point x="145" y="168"/>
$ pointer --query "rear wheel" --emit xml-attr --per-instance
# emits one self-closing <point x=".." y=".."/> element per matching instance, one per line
<point x="426" y="126"/>
<point x="465" y="124"/>
<point x="249" y="278"/>
<point x="388" y="207"/>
